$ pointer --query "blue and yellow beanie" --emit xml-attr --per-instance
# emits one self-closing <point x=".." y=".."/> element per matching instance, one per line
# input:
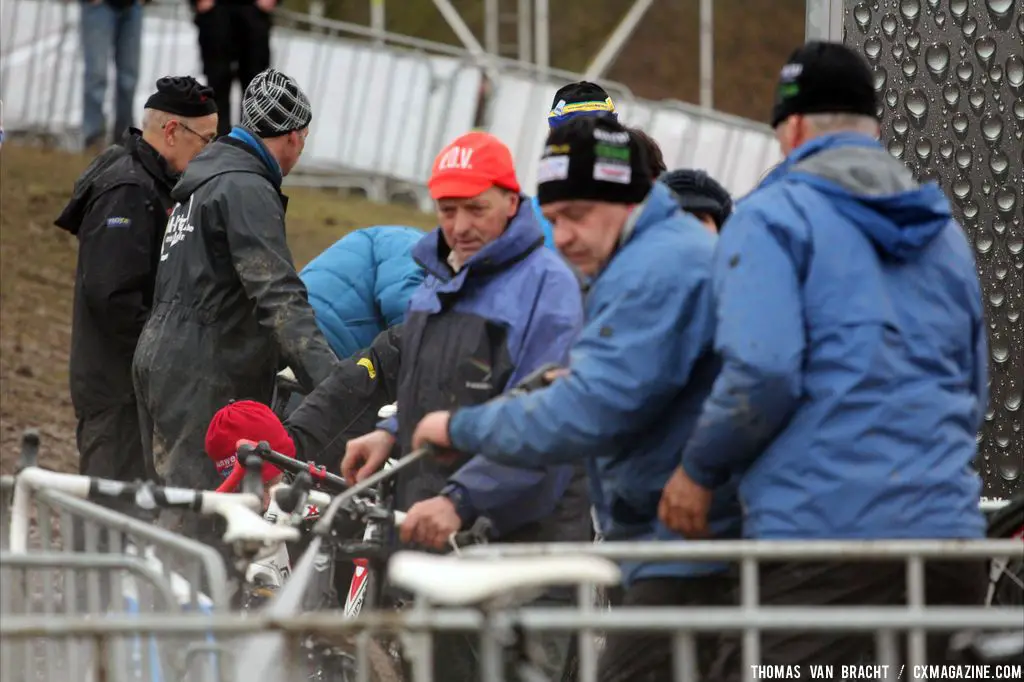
<point x="580" y="99"/>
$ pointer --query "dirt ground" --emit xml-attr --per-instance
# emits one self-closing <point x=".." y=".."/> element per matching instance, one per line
<point x="37" y="274"/>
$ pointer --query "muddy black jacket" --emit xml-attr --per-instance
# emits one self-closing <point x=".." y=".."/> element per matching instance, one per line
<point x="229" y="309"/>
<point x="118" y="211"/>
<point x="345" y="405"/>
<point x="468" y="338"/>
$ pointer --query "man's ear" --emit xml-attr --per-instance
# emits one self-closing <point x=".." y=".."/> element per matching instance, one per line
<point x="513" y="205"/>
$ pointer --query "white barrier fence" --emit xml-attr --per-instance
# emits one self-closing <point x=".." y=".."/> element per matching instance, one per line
<point x="381" y="112"/>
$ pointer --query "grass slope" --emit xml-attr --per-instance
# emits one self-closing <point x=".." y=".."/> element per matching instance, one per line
<point x="37" y="274"/>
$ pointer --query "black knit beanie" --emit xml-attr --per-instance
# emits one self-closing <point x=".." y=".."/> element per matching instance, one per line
<point x="824" y="78"/>
<point x="182" y="96"/>
<point x="593" y="158"/>
<point x="698" y="192"/>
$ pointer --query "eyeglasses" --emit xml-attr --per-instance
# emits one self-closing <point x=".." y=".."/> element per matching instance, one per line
<point x="207" y="139"/>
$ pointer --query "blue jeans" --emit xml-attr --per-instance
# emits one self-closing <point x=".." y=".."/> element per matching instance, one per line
<point x="106" y="28"/>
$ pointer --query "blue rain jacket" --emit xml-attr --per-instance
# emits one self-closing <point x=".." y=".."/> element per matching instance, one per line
<point x="854" y="354"/>
<point x="361" y="285"/>
<point x="640" y="372"/>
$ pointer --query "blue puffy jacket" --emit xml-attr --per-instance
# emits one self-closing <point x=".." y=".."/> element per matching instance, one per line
<point x="854" y="354"/>
<point x="640" y="372"/>
<point x="361" y="285"/>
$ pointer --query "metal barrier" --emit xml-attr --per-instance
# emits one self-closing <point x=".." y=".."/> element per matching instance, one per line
<point x="382" y="109"/>
<point x="279" y="628"/>
<point x="89" y="561"/>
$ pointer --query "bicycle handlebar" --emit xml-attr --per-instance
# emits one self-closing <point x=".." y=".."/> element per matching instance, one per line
<point x="244" y="524"/>
<point x="318" y="473"/>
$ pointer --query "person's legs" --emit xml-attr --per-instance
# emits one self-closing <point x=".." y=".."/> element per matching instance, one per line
<point x="109" y="444"/>
<point x="127" y="51"/>
<point x="215" y="49"/>
<point x="817" y="584"/>
<point x="252" y="42"/>
<point x="648" y="658"/>
<point x="97" y="35"/>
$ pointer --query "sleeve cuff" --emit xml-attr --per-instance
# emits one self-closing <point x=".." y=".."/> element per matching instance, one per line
<point x="390" y="425"/>
<point x="705" y="477"/>
<point x="459" y="496"/>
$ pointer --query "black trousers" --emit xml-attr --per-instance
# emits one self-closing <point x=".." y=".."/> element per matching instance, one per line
<point x="950" y="583"/>
<point x="110" y="444"/>
<point x="648" y="658"/>
<point x="234" y="43"/>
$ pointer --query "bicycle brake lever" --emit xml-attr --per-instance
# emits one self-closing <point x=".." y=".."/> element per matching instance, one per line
<point x="294" y="496"/>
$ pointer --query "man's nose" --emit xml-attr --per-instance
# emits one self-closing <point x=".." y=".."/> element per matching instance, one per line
<point x="463" y="223"/>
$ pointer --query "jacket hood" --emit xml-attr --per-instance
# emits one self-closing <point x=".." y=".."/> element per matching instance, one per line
<point x="521" y="237"/>
<point x="239" y="152"/>
<point x="873" y="190"/>
<point x="94" y="181"/>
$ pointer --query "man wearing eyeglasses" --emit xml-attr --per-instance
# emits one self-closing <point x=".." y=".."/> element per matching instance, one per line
<point x="118" y="211"/>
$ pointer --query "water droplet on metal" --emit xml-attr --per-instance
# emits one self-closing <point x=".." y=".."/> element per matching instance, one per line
<point x="984" y="241"/>
<point x="910" y="9"/>
<point x="991" y="127"/>
<point x="996" y="74"/>
<point x="878" y="76"/>
<point x="946" y="150"/>
<point x="914" y="42"/>
<point x="916" y="103"/>
<point x="958" y="8"/>
<point x="1015" y="70"/>
<point x="936" y="58"/>
<point x="891" y="97"/>
<point x="951" y="93"/>
<point x="1018" y="109"/>
<point x="964" y="71"/>
<point x="1006" y="199"/>
<point x="909" y="67"/>
<point x="996" y="297"/>
<point x="889" y="25"/>
<point x="873" y="47"/>
<point x="923" y="149"/>
<point x="940" y="19"/>
<point x="1000" y="353"/>
<point x="896" y="147"/>
<point x="897" y="51"/>
<point x="976" y="98"/>
<point x="1000" y="8"/>
<point x="970" y="27"/>
<point x="985" y="48"/>
<point x="960" y="123"/>
<point x="971" y="210"/>
<point x="961" y="188"/>
<point x="900" y="125"/>
<point x="862" y="15"/>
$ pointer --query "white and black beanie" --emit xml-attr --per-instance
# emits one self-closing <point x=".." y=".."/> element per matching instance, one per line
<point x="275" y="105"/>
<point x="593" y="158"/>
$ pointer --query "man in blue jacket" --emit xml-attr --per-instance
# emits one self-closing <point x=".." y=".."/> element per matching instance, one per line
<point x="361" y="285"/>
<point x="854" y="362"/>
<point x="573" y="101"/>
<point x="637" y="376"/>
<point x="494" y="307"/>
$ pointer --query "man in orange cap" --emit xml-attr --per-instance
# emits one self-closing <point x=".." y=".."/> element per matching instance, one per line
<point x="494" y="306"/>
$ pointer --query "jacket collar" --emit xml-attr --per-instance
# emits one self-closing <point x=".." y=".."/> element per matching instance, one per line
<point x="815" y="146"/>
<point x="256" y="145"/>
<point x="150" y="159"/>
<point x="520" y="238"/>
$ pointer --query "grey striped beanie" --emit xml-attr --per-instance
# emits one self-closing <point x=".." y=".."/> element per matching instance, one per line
<point x="275" y="105"/>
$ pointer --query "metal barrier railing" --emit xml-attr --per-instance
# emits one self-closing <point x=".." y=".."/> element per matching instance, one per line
<point x="85" y="560"/>
<point x="382" y="109"/>
<point x="281" y="626"/>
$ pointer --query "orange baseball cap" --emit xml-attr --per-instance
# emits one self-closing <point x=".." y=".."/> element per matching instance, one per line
<point x="472" y="164"/>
